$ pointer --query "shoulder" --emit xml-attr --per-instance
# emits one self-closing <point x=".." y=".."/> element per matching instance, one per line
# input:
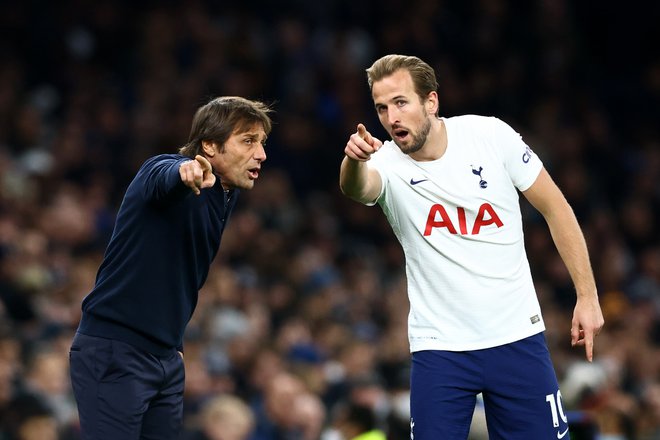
<point x="163" y="160"/>
<point x="387" y="156"/>
<point x="477" y="126"/>
<point x="389" y="149"/>
<point x="473" y="121"/>
<point x="160" y="158"/>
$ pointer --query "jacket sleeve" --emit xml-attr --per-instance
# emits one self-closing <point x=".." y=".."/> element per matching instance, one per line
<point x="160" y="178"/>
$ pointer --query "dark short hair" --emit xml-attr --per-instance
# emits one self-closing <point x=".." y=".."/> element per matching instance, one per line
<point x="216" y="121"/>
<point x="423" y="75"/>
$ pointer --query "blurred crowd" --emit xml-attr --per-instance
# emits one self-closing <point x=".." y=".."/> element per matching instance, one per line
<point x="300" y="331"/>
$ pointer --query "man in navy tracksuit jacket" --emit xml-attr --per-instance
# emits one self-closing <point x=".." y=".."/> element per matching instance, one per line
<point x="126" y="358"/>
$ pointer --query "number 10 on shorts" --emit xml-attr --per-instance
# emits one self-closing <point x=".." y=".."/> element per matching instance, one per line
<point x="556" y="408"/>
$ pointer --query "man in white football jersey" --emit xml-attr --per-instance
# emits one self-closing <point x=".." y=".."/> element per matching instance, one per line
<point x="449" y="188"/>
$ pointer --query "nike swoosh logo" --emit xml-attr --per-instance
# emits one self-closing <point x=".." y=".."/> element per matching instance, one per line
<point x="561" y="435"/>
<point x="415" y="182"/>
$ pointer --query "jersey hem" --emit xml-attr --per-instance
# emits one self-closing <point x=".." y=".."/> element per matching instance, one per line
<point x="433" y="344"/>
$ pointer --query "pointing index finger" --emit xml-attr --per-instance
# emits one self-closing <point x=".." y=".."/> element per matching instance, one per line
<point x="364" y="134"/>
<point x="589" y="345"/>
<point x="206" y="165"/>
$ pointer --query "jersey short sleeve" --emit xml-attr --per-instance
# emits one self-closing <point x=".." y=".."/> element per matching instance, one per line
<point x="522" y="164"/>
<point x="379" y="162"/>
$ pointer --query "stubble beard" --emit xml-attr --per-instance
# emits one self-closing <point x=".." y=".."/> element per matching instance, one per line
<point x="418" y="139"/>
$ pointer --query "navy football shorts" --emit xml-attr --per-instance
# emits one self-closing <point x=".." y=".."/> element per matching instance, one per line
<point x="519" y="386"/>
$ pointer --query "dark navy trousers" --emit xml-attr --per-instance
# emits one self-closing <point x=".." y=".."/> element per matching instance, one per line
<point x="125" y="393"/>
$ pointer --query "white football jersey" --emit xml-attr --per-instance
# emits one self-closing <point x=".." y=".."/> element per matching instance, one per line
<point x="459" y="223"/>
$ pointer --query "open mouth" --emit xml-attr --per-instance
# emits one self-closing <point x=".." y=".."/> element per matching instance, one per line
<point x="253" y="173"/>
<point x="400" y="134"/>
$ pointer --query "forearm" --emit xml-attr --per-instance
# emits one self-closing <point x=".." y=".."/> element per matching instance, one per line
<point x="354" y="179"/>
<point x="572" y="248"/>
<point x="569" y="240"/>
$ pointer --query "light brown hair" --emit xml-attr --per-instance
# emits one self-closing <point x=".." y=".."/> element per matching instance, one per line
<point x="423" y="75"/>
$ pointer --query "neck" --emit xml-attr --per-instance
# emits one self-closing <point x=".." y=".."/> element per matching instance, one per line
<point x="436" y="142"/>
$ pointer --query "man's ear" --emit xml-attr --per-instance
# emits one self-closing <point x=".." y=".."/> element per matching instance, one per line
<point x="209" y="148"/>
<point x="432" y="103"/>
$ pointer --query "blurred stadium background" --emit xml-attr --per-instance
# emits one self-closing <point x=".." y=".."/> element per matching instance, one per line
<point x="305" y="308"/>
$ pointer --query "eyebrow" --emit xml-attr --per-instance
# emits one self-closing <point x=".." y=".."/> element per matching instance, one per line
<point x="254" y="135"/>
<point x="394" y="98"/>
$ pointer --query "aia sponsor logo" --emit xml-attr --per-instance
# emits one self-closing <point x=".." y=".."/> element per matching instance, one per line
<point x="438" y="218"/>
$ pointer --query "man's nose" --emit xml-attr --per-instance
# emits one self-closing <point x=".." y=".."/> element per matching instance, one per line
<point x="260" y="154"/>
<point x="393" y="115"/>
